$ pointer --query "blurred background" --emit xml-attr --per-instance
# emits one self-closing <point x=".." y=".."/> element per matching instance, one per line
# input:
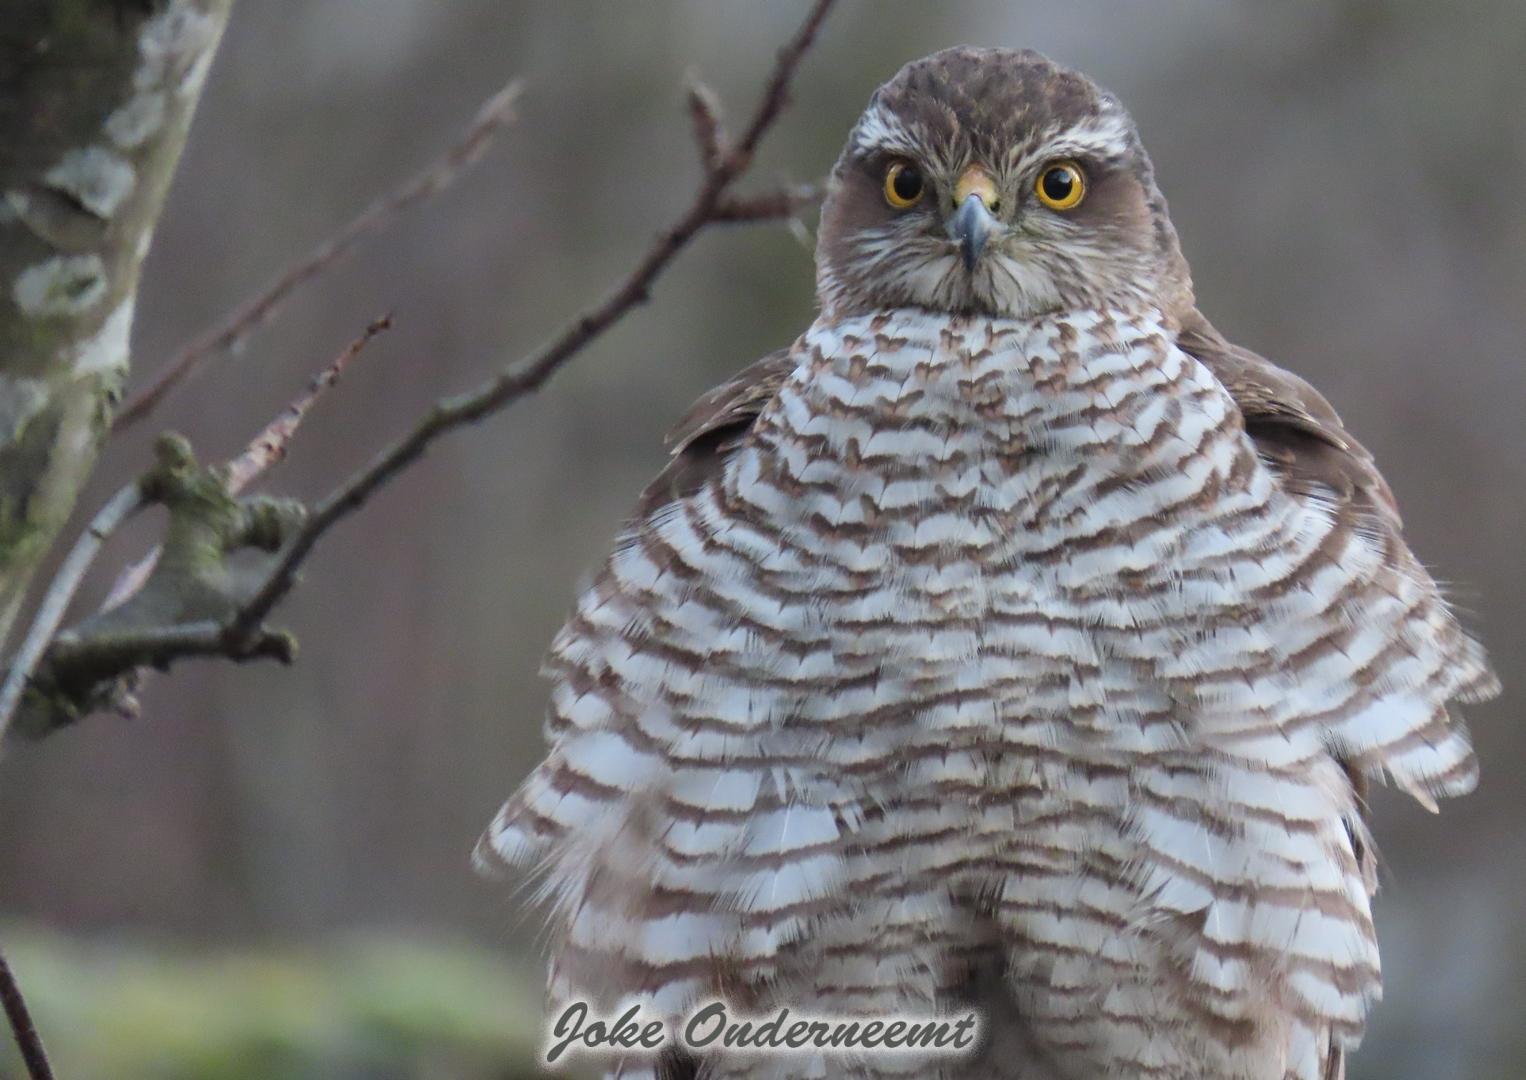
<point x="267" y="874"/>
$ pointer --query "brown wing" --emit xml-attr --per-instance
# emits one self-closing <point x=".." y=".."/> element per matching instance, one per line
<point x="713" y="428"/>
<point x="1299" y="435"/>
<point x="1296" y="431"/>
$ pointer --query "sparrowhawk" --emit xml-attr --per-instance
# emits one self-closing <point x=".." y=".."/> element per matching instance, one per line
<point x="1012" y="640"/>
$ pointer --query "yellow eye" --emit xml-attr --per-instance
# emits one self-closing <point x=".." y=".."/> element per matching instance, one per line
<point x="1061" y="186"/>
<point x="903" y="184"/>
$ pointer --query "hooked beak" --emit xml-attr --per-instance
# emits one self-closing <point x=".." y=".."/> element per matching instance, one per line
<point x="973" y="224"/>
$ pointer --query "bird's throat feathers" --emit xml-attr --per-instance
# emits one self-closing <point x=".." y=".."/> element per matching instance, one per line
<point x="1091" y="370"/>
<point x="905" y="426"/>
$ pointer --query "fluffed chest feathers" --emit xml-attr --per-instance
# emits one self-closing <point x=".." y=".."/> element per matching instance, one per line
<point x="905" y="442"/>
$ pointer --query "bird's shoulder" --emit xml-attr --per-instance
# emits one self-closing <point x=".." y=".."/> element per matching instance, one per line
<point x="1296" y="431"/>
<point x="713" y="427"/>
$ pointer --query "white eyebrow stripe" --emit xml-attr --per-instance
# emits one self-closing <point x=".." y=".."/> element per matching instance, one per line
<point x="881" y="130"/>
<point x="1108" y="136"/>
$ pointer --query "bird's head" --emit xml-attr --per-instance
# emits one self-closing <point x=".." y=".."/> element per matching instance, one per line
<point x="994" y="181"/>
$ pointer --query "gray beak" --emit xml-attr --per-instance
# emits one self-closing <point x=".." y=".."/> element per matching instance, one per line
<point x="972" y="225"/>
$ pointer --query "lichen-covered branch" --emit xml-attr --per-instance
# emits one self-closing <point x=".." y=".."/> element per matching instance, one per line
<point x="172" y="603"/>
<point x="194" y="589"/>
<point x="98" y="98"/>
<point x="266" y="450"/>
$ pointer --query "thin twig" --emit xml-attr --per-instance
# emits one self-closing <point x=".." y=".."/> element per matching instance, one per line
<point x="784" y="203"/>
<point x="269" y="447"/>
<point x="519" y="380"/>
<point x="709" y="129"/>
<point x="28" y="1041"/>
<point x="61" y="590"/>
<point x="264" y="451"/>
<point x="497" y="111"/>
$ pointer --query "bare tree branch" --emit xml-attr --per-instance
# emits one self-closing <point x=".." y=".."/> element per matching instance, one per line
<point x="230" y="624"/>
<point x="264" y="451"/>
<point x="784" y="203"/>
<point x="709" y="129"/>
<point x="111" y="653"/>
<point x="108" y="650"/>
<point x="28" y="1041"/>
<point x="268" y="448"/>
<point x="213" y="612"/>
<point x="121" y="506"/>
<point x="227" y="335"/>
<point x="520" y="380"/>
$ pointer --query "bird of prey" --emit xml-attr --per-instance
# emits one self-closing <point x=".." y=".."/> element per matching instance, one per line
<point x="1010" y="641"/>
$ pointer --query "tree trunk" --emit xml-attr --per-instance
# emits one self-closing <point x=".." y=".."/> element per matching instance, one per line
<point x="96" y="97"/>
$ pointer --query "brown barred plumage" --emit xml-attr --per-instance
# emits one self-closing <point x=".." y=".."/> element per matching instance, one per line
<point x="1011" y="640"/>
